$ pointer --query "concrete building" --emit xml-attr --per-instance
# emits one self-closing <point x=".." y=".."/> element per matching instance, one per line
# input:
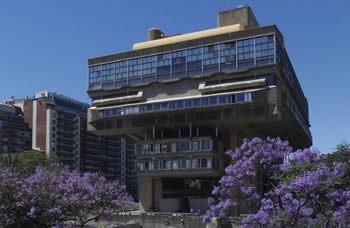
<point x="59" y="127"/>
<point x="14" y="131"/>
<point x="187" y="98"/>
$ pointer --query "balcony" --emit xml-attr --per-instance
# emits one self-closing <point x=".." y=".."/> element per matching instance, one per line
<point x="205" y="166"/>
<point x="176" y="147"/>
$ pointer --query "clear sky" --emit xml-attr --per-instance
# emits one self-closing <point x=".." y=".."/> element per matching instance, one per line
<point x="45" y="45"/>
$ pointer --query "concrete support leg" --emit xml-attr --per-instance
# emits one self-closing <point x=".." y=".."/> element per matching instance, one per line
<point x="233" y="143"/>
<point x="145" y="188"/>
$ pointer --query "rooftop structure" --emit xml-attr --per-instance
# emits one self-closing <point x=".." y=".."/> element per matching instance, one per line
<point x="187" y="98"/>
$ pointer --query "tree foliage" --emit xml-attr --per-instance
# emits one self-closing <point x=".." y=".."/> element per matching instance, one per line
<point x="52" y="196"/>
<point x="26" y="162"/>
<point x="285" y="188"/>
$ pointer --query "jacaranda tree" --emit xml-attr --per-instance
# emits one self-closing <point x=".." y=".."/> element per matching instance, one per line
<point x="55" y="195"/>
<point x="283" y="188"/>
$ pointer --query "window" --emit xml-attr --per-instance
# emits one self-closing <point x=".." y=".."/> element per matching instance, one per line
<point x="164" y="106"/>
<point x="134" y="71"/>
<point x="264" y="50"/>
<point x="149" y="68"/>
<point x="183" y="164"/>
<point x="194" y="61"/>
<point x="155" y="165"/>
<point x="245" y="49"/>
<point x="176" y="164"/>
<point x="211" y="59"/>
<point x="95" y="77"/>
<point x="213" y="100"/>
<point x="228" y="56"/>
<point x="139" y="149"/>
<point x="108" y="75"/>
<point x="163" y="66"/>
<point x="149" y="108"/>
<point x="173" y="147"/>
<point x="204" y="101"/>
<point x="165" y="147"/>
<point x="168" y="165"/>
<point x="188" y="103"/>
<point x="188" y="164"/>
<point x="162" y="164"/>
<point x="185" y="146"/>
<point x="204" y="163"/>
<point x="178" y="64"/>
<point x="121" y="70"/>
<point x="205" y="145"/>
<point x="172" y="105"/>
<point x="148" y="165"/>
<point x="148" y="148"/>
<point x="195" y="146"/>
<point x="195" y="163"/>
<point x="179" y="104"/>
<point x="158" y="148"/>
<point x="196" y="102"/>
<point x="244" y="97"/>
<point x="225" y="99"/>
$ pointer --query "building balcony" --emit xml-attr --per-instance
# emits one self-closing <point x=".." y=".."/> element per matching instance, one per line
<point x="176" y="147"/>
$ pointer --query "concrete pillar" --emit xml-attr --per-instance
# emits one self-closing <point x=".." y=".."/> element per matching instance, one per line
<point x="233" y="139"/>
<point x="233" y="143"/>
<point x="145" y="189"/>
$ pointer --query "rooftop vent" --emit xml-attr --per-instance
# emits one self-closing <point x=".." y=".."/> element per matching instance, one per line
<point x="155" y="34"/>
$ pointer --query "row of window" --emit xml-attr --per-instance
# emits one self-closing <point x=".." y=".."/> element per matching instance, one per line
<point x="179" y="104"/>
<point x="184" y="146"/>
<point x="194" y="61"/>
<point x="197" y="163"/>
<point x="283" y="59"/>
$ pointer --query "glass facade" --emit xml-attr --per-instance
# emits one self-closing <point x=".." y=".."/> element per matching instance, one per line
<point x="225" y="56"/>
<point x="204" y="101"/>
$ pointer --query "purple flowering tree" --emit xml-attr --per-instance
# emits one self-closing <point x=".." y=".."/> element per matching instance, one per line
<point x="288" y="189"/>
<point x="53" y="196"/>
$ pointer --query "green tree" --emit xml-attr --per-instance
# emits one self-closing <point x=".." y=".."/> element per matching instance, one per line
<point x="26" y="161"/>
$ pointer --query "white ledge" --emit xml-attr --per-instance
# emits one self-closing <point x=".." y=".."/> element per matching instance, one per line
<point x="233" y="85"/>
<point x="119" y="100"/>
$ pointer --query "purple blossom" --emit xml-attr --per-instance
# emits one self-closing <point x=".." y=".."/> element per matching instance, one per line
<point x="306" y="191"/>
<point x="51" y="196"/>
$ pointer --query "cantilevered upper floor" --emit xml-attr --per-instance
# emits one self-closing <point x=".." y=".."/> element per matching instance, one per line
<point x="238" y="66"/>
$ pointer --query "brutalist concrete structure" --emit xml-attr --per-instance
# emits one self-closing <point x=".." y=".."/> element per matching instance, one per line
<point x="187" y="98"/>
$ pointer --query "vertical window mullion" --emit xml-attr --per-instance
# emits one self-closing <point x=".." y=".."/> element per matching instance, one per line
<point x="186" y="63"/>
<point x="219" y="56"/>
<point x="202" y="60"/>
<point x="127" y="72"/>
<point x="274" y="51"/>
<point x="236" y="47"/>
<point x="254" y="52"/>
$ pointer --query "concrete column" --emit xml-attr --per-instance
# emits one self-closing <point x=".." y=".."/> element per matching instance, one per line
<point x="145" y="189"/>
<point x="233" y="139"/>
<point x="233" y="143"/>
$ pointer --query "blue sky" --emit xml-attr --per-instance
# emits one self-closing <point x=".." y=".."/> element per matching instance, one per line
<point x="45" y="45"/>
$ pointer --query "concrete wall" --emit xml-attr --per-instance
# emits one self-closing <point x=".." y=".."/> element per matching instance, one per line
<point x="199" y="204"/>
<point x="170" y="204"/>
<point x="165" y="221"/>
<point x="145" y="189"/>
